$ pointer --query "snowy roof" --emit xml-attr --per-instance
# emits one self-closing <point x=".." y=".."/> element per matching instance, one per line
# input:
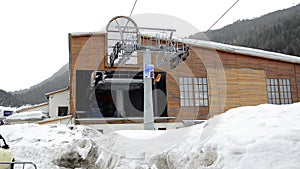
<point x="27" y="115"/>
<point x="87" y="33"/>
<point x="243" y="50"/>
<point x="57" y="91"/>
<point x="7" y="108"/>
<point x="29" y="107"/>
<point x="229" y="48"/>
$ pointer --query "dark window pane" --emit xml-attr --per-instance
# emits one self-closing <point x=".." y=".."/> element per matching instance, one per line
<point x="62" y="111"/>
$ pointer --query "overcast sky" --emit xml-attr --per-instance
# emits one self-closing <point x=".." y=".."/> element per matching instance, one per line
<point x="34" y="33"/>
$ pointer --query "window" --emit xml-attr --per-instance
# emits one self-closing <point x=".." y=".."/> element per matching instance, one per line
<point x="279" y="91"/>
<point x="7" y="112"/>
<point x="62" y="111"/>
<point x="186" y="91"/>
<point x="285" y="91"/>
<point x="201" y="91"/>
<point x="193" y="91"/>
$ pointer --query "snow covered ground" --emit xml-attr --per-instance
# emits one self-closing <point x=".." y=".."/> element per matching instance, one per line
<point x="256" y="137"/>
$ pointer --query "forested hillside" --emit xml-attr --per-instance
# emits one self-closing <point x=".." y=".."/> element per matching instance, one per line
<point x="36" y="93"/>
<point x="9" y="100"/>
<point x="278" y="32"/>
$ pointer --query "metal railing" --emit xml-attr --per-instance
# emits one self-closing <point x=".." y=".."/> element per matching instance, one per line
<point x="19" y="163"/>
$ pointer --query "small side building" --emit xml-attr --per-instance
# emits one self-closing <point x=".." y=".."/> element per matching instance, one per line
<point x="57" y="107"/>
<point x="58" y="102"/>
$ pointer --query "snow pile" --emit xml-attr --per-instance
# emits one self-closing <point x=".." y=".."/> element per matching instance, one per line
<point x="50" y="146"/>
<point x="264" y="136"/>
<point x="27" y="115"/>
<point x="7" y="108"/>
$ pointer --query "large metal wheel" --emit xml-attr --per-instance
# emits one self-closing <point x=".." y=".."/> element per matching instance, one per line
<point x="122" y="37"/>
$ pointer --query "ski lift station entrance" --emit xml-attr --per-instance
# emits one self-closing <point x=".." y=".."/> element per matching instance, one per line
<point x="186" y="79"/>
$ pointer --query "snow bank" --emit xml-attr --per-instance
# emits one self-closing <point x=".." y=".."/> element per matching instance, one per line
<point x="7" y="108"/>
<point x="27" y="115"/>
<point x="264" y="136"/>
<point x="50" y="146"/>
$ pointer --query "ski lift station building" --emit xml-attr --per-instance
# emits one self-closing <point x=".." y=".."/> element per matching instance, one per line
<point x="204" y="80"/>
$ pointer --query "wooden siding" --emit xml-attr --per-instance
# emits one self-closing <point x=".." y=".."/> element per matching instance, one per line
<point x="245" y="88"/>
<point x="297" y="72"/>
<point x="239" y="87"/>
<point x="273" y="68"/>
<point x="86" y="53"/>
<point x="234" y="79"/>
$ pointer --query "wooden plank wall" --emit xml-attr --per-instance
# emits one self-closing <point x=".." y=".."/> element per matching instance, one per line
<point x="245" y="88"/>
<point x="215" y="72"/>
<point x="236" y="66"/>
<point x="241" y="87"/>
<point x="297" y="71"/>
<point x="252" y="87"/>
<point x="273" y="68"/>
<point x="192" y="67"/>
<point x="86" y="53"/>
<point x="239" y="77"/>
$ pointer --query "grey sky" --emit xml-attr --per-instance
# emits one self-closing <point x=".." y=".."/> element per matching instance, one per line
<point x="34" y="34"/>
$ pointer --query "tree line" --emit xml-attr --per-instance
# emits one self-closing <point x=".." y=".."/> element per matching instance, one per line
<point x="278" y="32"/>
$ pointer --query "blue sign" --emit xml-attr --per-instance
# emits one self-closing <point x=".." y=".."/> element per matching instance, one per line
<point x="149" y="71"/>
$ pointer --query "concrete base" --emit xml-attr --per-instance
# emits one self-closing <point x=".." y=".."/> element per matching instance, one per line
<point x="107" y="128"/>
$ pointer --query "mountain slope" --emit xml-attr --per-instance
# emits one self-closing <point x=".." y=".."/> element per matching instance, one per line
<point x="277" y="31"/>
<point x="36" y="93"/>
<point x="8" y="100"/>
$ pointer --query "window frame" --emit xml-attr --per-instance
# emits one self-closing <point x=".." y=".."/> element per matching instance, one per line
<point x="62" y="114"/>
<point x="193" y="91"/>
<point x="279" y="91"/>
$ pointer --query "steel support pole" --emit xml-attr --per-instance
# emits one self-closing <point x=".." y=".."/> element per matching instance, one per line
<point x="120" y="103"/>
<point x="148" y="101"/>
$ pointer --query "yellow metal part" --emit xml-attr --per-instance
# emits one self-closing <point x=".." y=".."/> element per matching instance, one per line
<point x="5" y="156"/>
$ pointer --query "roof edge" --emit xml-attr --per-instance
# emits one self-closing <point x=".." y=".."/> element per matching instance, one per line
<point x="57" y="91"/>
<point x="87" y="33"/>
<point x="243" y="50"/>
